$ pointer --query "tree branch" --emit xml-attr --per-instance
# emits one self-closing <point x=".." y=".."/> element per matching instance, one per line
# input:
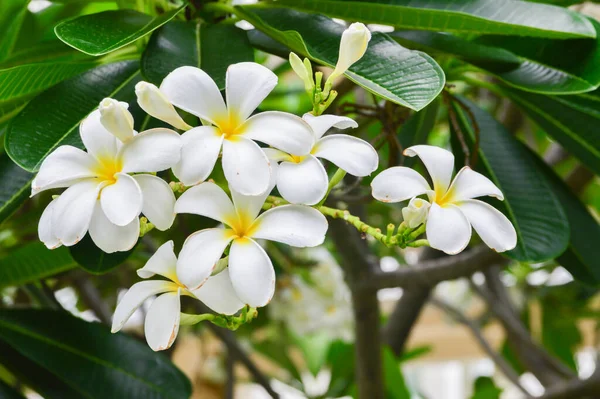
<point x="90" y="295"/>
<point x="403" y="318"/>
<point x="575" y="388"/>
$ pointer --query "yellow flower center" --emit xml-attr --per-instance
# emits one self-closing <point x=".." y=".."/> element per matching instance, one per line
<point x="107" y="168"/>
<point x="297" y="158"/>
<point x="230" y="127"/>
<point x="242" y="225"/>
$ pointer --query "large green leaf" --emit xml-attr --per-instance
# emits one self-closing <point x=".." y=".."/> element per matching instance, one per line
<point x="15" y="186"/>
<point x="107" y="31"/>
<point x="406" y="77"/>
<point x="94" y="260"/>
<point x="417" y="128"/>
<point x="571" y="120"/>
<point x="94" y="362"/>
<point x="8" y="392"/>
<point x="503" y="17"/>
<point x="12" y="13"/>
<point x="394" y="380"/>
<point x="201" y="45"/>
<point x="529" y="202"/>
<point x="52" y="118"/>
<point x="32" y="262"/>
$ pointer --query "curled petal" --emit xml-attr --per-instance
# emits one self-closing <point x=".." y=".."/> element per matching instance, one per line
<point x="492" y="226"/>
<point x="154" y="103"/>
<point x="162" y="321"/>
<point x="398" y="184"/>
<point x="277" y="155"/>
<point x="351" y="154"/>
<point x="112" y="238"/>
<point x="122" y="201"/>
<point x="115" y="118"/>
<point x="63" y="167"/>
<point x="97" y="140"/>
<point x="218" y="294"/>
<point x="295" y="225"/>
<point x="251" y="271"/>
<point x="470" y="184"/>
<point x="352" y="47"/>
<point x="151" y="151"/>
<point x="206" y="199"/>
<point x="280" y="130"/>
<point x="246" y="166"/>
<point x="321" y="124"/>
<point x="163" y="263"/>
<point x="45" y="232"/>
<point x="448" y="229"/>
<point x="247" y="85"/>
<point x="302" y="183"/>
<point x="439" y="164"/>
<point x="158" y="201"/>
<point x="199" y="152"/>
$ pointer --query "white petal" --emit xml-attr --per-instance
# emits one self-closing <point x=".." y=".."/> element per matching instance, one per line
<point x="63" y="167"/>
<point x="492" y="226"/>
<point x="159" y="201"/>
<point x="248" y="206"/>
<point x="302" y="183"/>
<point x="295" y="225"/>
<point x="207" y="199"/>
<point x="163" y="263"/>
<point x="447" y="229"/>
<point x="155" y="104"/>
<point x="398" y="184"/>
<point x="199" y="255"/>
<point x="162" y="321"/>
<point x="45" y="232"/>
<point x="281" y="130"/>
<point x="97" y="140"/>
<point x="321" y="124"/>
<point x="218" y="294"/>
<point x="352" y="47"/>
<point x="112" y="238"/>
<point x="199" y="152"/>
<point x="151" y="151"/>
<point x="122" y="201"/>
<point x="470" y="184"/>
<point x="439" y="164"/>
<point x="251" y="271"/>
<point x="351" y="154"/>
<point x="115" y="118"/>
<point x="277" y="155"/>
<point x="135" y="296"/>
<point x="247" y="85"/>
<point x="192" y="90"/>
<point x="246" y="166"/>
<point x="73" y="211"/>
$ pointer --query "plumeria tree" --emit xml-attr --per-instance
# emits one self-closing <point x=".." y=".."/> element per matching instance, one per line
<point x="255" y="166"/>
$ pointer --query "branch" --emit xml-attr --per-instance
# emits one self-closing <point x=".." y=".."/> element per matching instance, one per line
<point x="403" y="318"/>
<point x="90" y="295"/>
<point x="575" y="388"/>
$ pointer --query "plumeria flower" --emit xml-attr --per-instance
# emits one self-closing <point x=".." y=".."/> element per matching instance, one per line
<point x="162" y="320"/>
<point x="353" y="46"/>
<point x="250" y="268"/>
<point x="453" y="210"/>
<point x="303" y="179"/>
<point x="102" y="195"/>
<point x="245" y="165"/>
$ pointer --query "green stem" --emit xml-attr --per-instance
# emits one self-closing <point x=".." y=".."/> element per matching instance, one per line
<point x="219" y="7"/>
<point x="354" y="221"/>
<point x="418" y="243"/>
<point x="335" y="179"/>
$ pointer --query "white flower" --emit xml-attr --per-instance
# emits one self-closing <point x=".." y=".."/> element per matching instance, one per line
<point x="453" y="210"/>
<point x="416" y="212"/>
<point x="352" y="47"/>
<point x="162" y="320"/>
<point x="245" y="165"/>
<point x="303" y="179"/>
<point x="250" y="268"/>
<point x="151" y="100"/>
<point x="102" y="196"/>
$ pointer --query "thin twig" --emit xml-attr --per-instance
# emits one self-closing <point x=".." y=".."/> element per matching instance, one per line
<point x="448" y="100"/>
<point x="230" y="368"/>
<point x="90" y="295"/>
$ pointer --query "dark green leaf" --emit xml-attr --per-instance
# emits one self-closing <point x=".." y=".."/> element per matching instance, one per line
<point x="535" y="212"/>
<point x="94" y="260"/>
<point x="107" y="31"/>
<point x="394" y="380"/>
<point x="560" y="335"/>
<point x="52" y="118"/>
<point x="485" y="389"/>
<point x="6" y="392"/>
<point x="503" y="17"/>
<point x="408" y="78"/>
<point x="340" y="360"/>
<point x="15" y="186"/>
<point x="12" y="13"/>
<point x="94" y="362"/>
<point x="571" y="120"/>
<point x="201" y="45"/>
<point x="33" y="262"/>
<point x="417" y="128"/>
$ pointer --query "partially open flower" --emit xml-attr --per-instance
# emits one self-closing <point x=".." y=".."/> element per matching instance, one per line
<point x="352" y="47"/>
<point x="416" y="212"/>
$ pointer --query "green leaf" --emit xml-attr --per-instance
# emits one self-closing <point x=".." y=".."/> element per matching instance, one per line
<point x="394" y="380"/>
<point x="571" y="120"/>
<point x="8" y="392"/>
<point x="277" y="351"/>
<point x="15" y="186"/>
<point x="107" y="31"/>
<point x="9" y="109"/>
<point x="484" y="388"/>
<point x="94" y="260"/>
<point x="33" y="262"/>
<point x="193" y="44"/>
<point x="94" y="362"/>
<point x="12" y="13"/>
<point x="417" y="128"/>
<point x="529" y="203"/>
<point x="340" y="359"/>
<point x="52" y="118"/>
<point x="503" y="17"/>
<point x="314" y="348"/>
<point x="405" y="77"/>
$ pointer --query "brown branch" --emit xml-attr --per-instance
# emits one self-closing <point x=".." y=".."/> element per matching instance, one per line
<point x="476" y="130"/>
<point x="403" y="318"/>
<point x="575" y="388"/>
<point x="91" y="297"/>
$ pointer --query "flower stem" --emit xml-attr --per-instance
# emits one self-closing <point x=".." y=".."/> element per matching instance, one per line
<point x="335" y="179"/>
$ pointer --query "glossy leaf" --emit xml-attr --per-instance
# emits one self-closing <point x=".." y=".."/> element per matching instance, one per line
<point x="12" y="13"/>
<point x="52" y="118"/>
<point x="503" y="17"/>
<point x="571" y="120"/>
<point x="32" y="262"/>
<point x="93" y="259"/>
<point x="408" y="78"/>
<point x="95" y="363"/>
<point x="107" y="31"/>
<point x="201" y="45"/>
<point x="15" y="186"/>
<point x="530" y="204"/>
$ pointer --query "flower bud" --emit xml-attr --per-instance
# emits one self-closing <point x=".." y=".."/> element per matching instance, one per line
<point x="115" y="117"/>
<point x="416" y="212"/>
<point x="352" y="47"/>
<point x="155" y="104"/>
<point x="302" y="71"/>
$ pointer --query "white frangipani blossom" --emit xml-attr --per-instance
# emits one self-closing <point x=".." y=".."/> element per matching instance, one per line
<point x="250" y="268"/>
<point x="416" y="212"/>
<point x="245" y="165"/>
<point x="102" y="195"/>
<point x="303" y="179"/>
<point x="353" y="46"/>
<point x="162" y="320"/>
<point x="453" y="208"/>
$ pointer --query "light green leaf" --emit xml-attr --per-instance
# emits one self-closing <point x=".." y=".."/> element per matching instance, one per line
<point x="408" y="78"/>
<point x="502" y="17"/>
<point x="394" y="380"/>
<point x="15" y="186"/>
<point x="107" y="31"/>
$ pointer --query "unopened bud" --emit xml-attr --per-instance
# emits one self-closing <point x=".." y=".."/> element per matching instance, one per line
<point x="155" y="104"/>
<point x="115" y="118"/>
<point x="352" y="47"/>
<point x="304" y="72"/>
<point x="415" y="213"/>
